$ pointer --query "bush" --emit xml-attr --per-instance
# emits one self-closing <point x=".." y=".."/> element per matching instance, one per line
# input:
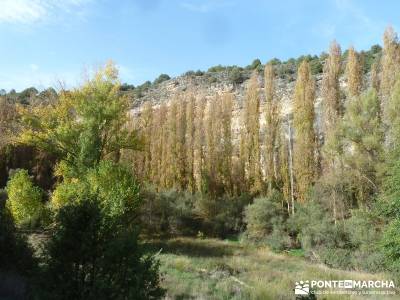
<point x="161" y="78"/>
<point x="17" y="264"/>
<point x="263" y="216"/>
<point x="255" y="65"/>
<point x="92" y="255"/>
<point x="349" y="244"/>
<point x="236" y="76"/>
<point x="221" y="216"/>
<point x="391" y="245"/>
<point x="169" y="212"/>
<point x="24" y="199"/>
<point x="364" y="235"/>
<point x="218" y="68"/>
<point x="15" y="254"/>
<point x="319" y="237"/>
<point x="181" y="213"/>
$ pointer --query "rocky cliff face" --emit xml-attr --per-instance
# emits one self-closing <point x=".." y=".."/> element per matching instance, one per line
<point x="207" y="86"/>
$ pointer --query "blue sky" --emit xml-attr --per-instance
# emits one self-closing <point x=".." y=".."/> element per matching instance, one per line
<point x="45" y="42"/>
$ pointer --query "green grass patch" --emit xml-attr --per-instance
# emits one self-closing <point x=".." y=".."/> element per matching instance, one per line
<point x="214" y="269"/>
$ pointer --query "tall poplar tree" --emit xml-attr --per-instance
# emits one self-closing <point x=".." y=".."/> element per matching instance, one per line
<point x="272" y="119"/>
<point x="390" y="63"/>
<point x="304" y="133"/>
<point x="251" y="135"/>
<point x="353" y="73"/>
<point x="199" y="144"/>
<point x="190" y="142"/>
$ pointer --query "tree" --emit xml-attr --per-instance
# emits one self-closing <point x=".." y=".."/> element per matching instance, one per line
<point x="164" y="143"/>
<point x="212" y="136"/>
<point x="147" y="130"/>
<point x="8" y="122"/>
<point x="84" y="126"/>
<point x="226" y="146"/>
<point x="331" y="89"/>
<point x="24" y="199"/>
<point x="190" y="143"/>
<point x="353" y="73"/>
<point x="181" y="145"/>
<point x="272" y="121"/>
<point x="390" y="58"/>
<point x="393" y="108"/>
<point x="161" y="78"/>
<point x="199" y="142"/>
<point x="363" y="144"/>
<point x="304" y="141"/>
<point x="375" y="72"/>
<point x="103" y="260"/>
<point x="390" y="62"/>
<point x="332" y="113"/>
<point x="250" y="139"/>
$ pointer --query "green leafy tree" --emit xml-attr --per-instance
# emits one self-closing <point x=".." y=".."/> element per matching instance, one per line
<point x="363" y="144"/>
<point x="84" y="126"/>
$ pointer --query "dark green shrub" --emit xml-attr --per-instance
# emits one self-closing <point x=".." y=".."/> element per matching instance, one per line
<point x="390" y="244"/>
<point x="222" y="216"/>
<point x="17" y="264"/>
<point x="199" y="73"/>
<point x="190" y="73"/>
<point x="316" y="232"/>
<point x="169" y="213"/>
<point x="255" y="65"/>
<point x="279" y="239"/>
<point x="94" y="256"/>
<point x="364" y="234"/>
<point x="218" y="68"/>
<point x="236" y="76"/>
<point x="161" y="78"/>
<point x="263" y="216"/>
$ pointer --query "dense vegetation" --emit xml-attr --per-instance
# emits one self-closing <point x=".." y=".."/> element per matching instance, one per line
<point x="97" y="179"/>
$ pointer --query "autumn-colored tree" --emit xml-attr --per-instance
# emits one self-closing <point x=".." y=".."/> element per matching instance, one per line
<point x="212" y="135"/>
<point x="158" y="141"/>
<point x="181" y="150"/>
<point x="146" y="128"/>
<point x="284" y="172"/>
<point x="199" y="143"/>
<point x="164" y="166"/>
<point x="304" y="133"/>
<point x="390" y="68"/>
<point x="190" y="142"/>
<point x="250" y="140"/>
<point x="226" y="146"/>
<point x="393" y="109"/>
<point x="353" y="73"/>
<point x="390" y="59"/>
<point x="7" y="121"/>
<point x="375" y="78"/>
<point x="272" y="120"/>
<point x="331" y="101"/>
<point x="171" y="159"/>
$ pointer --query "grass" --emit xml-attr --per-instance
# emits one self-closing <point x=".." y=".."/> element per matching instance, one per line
<point x="215" y="269"/>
